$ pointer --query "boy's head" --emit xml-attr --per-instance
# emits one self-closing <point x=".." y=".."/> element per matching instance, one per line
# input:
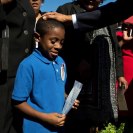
<point x="50" y="36"/>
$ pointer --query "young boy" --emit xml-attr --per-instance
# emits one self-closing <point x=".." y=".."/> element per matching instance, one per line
<point x="39" y="87"/>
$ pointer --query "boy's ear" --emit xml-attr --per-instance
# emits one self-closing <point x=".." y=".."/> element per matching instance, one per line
<point x="37" y="37"/>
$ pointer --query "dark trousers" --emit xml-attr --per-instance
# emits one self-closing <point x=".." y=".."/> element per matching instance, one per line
<point x="76" y="125"/>
<point x="6" y="110"/>
<point x="128" y="125"/>
<point x="80" y="126"/>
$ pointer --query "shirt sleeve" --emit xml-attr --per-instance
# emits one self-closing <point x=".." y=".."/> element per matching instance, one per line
<point x="23" y="83"/>
<point x="74" y="21"/>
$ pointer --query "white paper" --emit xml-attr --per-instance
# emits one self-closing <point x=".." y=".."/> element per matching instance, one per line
<point x="72" y="97"/>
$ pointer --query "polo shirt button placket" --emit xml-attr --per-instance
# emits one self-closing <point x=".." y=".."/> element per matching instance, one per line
<point x="57" y="70"/>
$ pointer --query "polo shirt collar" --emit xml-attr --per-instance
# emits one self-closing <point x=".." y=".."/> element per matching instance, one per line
<point x="39" y="55"/>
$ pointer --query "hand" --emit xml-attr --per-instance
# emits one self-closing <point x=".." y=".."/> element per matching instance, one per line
<point x="122" y="82"/>
<point x="58" y="16"/>
<point x="126" y="37"/>
<point x="5" y="1"/>
<point x="55" y="119"/>
<point x="76" y="104"/>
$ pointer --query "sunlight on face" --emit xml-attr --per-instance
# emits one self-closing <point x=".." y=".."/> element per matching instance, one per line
<point x="52" y="42"/>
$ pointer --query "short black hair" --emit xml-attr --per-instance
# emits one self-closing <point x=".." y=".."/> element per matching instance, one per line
<point x="43" y="26"/>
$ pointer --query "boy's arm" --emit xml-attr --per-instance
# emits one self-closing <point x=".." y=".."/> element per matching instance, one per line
<point x="51" y="118"/>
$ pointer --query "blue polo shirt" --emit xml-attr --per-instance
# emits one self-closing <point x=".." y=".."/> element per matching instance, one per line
<point x="41" y="83"/>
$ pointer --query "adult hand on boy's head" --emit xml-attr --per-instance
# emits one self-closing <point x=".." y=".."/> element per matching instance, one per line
<point x="58" y="16"/>
<point x="5" y="1"/>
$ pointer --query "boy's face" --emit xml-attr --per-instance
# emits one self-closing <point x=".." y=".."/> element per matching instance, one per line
<point x="51" y="43"/>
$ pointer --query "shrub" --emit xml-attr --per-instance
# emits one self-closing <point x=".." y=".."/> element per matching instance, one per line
<point x="110" y="128"/>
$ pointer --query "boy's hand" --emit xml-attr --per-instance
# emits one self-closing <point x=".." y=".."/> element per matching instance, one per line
<point x="55" y="119"/>
<point x="76" y="104"/>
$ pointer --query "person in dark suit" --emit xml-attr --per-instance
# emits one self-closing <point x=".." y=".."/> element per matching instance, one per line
<point x="105" y="15"/>
<point x="36" y="4"/>
<point x="17" y="20"/>
<point x="93" y="58"/>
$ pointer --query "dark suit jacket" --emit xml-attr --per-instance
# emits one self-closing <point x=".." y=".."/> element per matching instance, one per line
<point x="95" y="96"/>
<point x="108" y="14"/>
<point x="20" y="18"/>
<point x="78" y="37"/>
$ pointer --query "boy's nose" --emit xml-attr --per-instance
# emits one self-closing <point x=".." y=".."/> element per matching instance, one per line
<point x="58" y="46"/>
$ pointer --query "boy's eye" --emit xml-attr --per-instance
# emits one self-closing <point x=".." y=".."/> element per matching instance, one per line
<point x="53" y="41"/>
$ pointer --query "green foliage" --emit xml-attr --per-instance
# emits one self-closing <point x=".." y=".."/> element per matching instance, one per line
<point x="110" y="128"/>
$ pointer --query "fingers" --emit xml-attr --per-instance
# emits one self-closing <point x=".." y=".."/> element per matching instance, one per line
<point x="49" y="15"/>
<point x="124" y="87"/>
<point x="58" y="16"/>
<point x="61" y="119"/>
<point x="61" y="116"/>
<point x="123" y="83"/>
<point x="126" y="37"/>
<point x="77" y="101"/>
<point x="61" y="124"/>
<point x="76" y="104"/>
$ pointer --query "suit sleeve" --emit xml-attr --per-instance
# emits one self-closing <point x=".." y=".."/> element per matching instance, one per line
<point x="61" y="9"/>
<point x="119" y="62"/>
<point x="105" y="15"/>
<point x="118" y="53"/>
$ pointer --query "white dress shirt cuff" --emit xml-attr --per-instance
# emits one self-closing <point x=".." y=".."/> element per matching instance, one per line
<point x="74" y="20"/>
